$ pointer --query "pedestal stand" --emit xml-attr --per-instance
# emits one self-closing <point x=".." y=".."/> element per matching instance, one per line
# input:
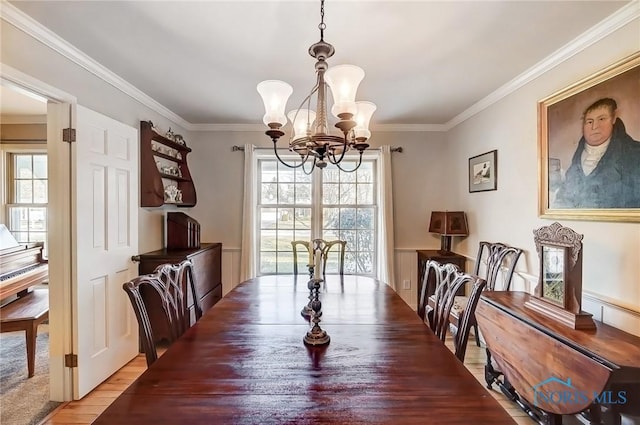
<point x="307" y="310"/>
<point x="316" y="336"/>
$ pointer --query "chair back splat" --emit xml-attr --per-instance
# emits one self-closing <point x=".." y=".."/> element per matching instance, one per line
<point x="449" y="279"/>
<point x="495" y="263"/>
<point x="163" y="291"/>
<point x="325" y="250"/>
<point x="495" y="256"/>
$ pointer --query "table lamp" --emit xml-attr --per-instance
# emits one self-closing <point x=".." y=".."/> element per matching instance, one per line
<point x="447" y="224"/>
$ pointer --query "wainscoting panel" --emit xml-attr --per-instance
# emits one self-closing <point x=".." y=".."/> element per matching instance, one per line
<point x="406" y="268"/>
<point x="612" y="314"/>
<point x="230" y="269"/>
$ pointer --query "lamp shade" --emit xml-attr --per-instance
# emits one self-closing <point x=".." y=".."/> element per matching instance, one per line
<point x="302" y="120"/>
<point x="449" y="223"/>
<point x="274" y="94"/>
<point x="363" y="116"/>
<point x="343" y="80"/>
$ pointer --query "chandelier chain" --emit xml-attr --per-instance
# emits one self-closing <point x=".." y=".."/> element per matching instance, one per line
<point x="322" y="25"/>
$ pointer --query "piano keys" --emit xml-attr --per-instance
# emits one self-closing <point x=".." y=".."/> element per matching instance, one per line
<point x="21" y="265"/>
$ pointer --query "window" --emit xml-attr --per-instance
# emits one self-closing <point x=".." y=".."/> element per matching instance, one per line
<point x="330" y="204"/>
<point x="27" y="189"/>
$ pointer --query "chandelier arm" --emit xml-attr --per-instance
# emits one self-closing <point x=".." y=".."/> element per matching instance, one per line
<point x="345" y="147"/>
<point x="306" y="100"/>
<point x="275" y="150"/>
<point x="313" y="167"/>
<point x="350" y="171"/>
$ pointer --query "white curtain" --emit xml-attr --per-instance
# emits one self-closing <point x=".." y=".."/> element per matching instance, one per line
<point x="385" y="222"/>
<point x="248" y="254"/>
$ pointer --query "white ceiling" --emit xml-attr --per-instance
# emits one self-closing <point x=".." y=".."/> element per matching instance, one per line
<point x="426" y="62"/>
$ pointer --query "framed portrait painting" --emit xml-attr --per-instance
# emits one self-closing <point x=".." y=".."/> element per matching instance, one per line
<point x="589" y="148"/>
<point x="483" y="172"/>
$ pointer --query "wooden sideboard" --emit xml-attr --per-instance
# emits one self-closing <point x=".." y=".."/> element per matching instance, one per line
<point x="433" y="254"/>
<point x="541" y="357"/>
<point x="207" y="261"/>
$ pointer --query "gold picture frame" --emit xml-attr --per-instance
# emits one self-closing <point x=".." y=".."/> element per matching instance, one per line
<point x="561" y="120"/>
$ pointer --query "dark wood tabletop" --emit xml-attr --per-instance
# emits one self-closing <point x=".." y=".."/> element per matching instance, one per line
<point x="245" y="362"/>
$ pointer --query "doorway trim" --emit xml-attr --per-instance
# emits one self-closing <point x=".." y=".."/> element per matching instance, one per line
<point x="59" y="106"/>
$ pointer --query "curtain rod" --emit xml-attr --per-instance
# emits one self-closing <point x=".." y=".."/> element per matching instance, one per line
<point x="236" y="148"/>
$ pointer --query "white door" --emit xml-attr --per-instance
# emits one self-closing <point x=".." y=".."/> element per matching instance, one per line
<point x="105" y="236"/>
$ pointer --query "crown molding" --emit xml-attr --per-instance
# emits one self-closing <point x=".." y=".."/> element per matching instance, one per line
<point x="25" y="23"/>
<point x="408" y="127"/>
<point x="227" y="127"/>
<point x="30" y="26"/>
<point x="378" y="127"/>
<point x="594" y="34"/>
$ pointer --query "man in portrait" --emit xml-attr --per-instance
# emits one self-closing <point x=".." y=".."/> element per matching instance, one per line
<point x="605" y="168"/>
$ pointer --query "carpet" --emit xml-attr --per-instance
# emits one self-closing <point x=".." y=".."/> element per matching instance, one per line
<point x="24" y="400"/>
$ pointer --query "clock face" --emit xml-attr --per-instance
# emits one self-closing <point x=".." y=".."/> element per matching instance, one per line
<point x="553" y="273"/>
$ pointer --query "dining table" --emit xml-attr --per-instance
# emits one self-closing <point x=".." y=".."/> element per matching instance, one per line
<point x="245" y="362"/>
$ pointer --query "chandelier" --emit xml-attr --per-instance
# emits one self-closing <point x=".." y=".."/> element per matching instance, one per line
<point x="311" y="137"/>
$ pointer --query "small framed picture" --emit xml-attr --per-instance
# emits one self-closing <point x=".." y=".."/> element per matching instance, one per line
<point x="483" y="172"/>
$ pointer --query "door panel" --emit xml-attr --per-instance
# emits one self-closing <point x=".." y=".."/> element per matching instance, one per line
<point x="106" y="236"/>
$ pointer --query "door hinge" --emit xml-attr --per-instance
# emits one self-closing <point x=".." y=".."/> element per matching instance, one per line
<point x="70" y="360"/>
<point x="69" y="135"/>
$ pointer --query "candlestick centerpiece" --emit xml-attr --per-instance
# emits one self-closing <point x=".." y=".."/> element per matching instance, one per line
<point x="316" y="335"/>
<point x="313" y="310"/>
<point x="315" y="261"/>
<point x="307" y="310"/>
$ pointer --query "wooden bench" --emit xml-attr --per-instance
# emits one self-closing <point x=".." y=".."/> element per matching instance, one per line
<point x="25" y="314"/>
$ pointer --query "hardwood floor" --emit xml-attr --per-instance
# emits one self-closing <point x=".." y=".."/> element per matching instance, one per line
<point x="85" y="411"/>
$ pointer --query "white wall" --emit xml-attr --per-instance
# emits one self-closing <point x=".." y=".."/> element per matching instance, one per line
<point x="31" y="57"/>
<point x="611" y="259"/>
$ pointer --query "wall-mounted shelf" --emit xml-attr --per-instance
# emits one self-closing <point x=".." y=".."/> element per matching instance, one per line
<point x="175" y="178"/>
<point x="163" y="163"/>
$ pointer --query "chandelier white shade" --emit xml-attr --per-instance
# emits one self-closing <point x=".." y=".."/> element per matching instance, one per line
<point x="311" y="136"/>
<point x="364" y="111"/>
<point x="343" y="80"/>
<point x="302" y="120"/>
<point x="274" y="95"/>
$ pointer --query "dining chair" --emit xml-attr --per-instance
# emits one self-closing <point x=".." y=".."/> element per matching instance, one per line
<point x="325" y="250"/>
<point x="163" y="293"/>
<point x="492" y="259"/>
<point x="449" y="279"/>
<point x="495" y="263"/>
<point x="306" y="251"/>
